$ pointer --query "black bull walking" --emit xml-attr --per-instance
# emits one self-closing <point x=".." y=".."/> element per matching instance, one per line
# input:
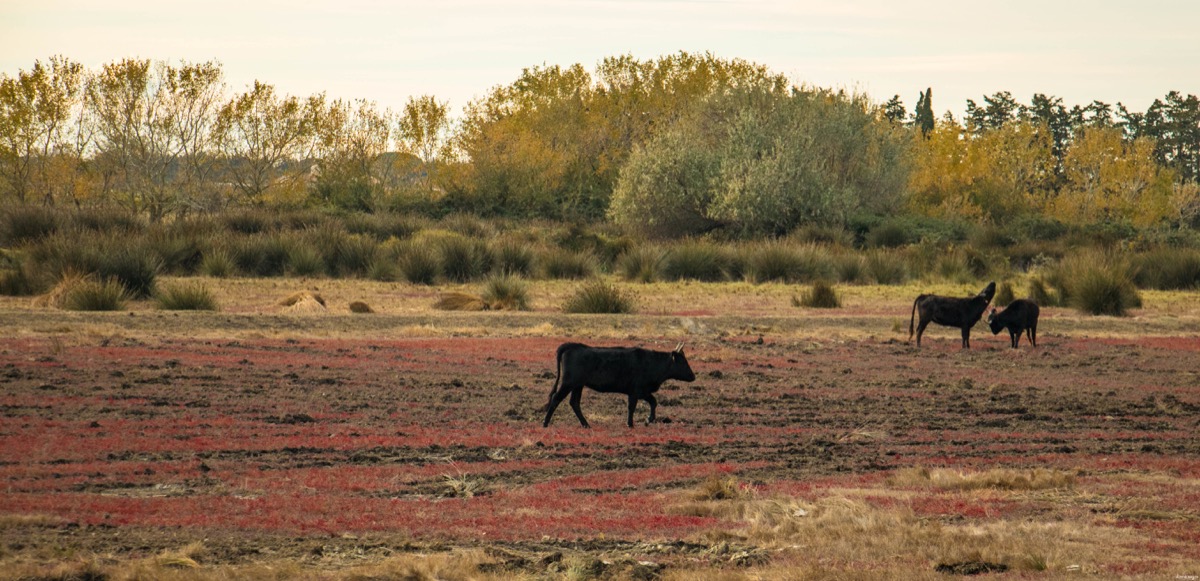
<point x="633" y="371"/>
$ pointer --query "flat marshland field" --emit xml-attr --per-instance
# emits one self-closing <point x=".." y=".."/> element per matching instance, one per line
<point x="262" y="442"/>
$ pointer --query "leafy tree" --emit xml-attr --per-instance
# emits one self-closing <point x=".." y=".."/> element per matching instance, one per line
<point x="759" y="163"/>
<point x="1110" y="179"/>
<point x="36" y="112"/>
<point x="894" y="110"/>
<point x="263" y="138"/>
<point x="553" y="142"/>
<point x="423" y="130"/>
<point x="995" y="175"/>
<point x="998" y="110"/>
<point x="351" y="140"/>
<point x="153" y="129"/>
<point x="923" y="117"/>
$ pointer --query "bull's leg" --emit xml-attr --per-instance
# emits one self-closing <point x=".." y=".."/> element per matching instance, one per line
<point x="1014" y="337"/>
<point x="555" y="399"/>
<point x="1032" y="331"/>
<point x="966" y="333"/>
<point x="632" y="406"/>
<point x="576" y="395"/>
<point x="653" y="408"/>
<point x="921" y="330"/>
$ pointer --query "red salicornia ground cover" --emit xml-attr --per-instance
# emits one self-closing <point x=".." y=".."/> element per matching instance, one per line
<point x="440" y="440"/>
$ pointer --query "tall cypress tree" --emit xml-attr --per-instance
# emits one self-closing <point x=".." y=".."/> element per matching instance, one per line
<point x="923" y="116"/>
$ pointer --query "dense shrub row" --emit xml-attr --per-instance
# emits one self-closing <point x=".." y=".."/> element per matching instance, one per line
<point x="1071" y="267"/>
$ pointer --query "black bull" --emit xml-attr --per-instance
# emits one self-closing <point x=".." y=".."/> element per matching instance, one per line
<point x="951" y="312"/>
<point x="633" y="371"/>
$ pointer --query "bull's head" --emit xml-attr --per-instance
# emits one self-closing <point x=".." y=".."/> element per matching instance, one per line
<point x="989" y="291"/>
<point x="680" y="369"/>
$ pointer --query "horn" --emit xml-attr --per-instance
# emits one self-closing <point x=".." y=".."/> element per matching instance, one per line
<point x="679" y="348"/>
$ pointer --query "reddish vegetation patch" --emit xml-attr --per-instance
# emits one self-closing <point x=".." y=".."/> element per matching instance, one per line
<point x="442" y="439"/>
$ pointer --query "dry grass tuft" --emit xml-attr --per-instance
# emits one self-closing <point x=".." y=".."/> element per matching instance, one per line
<point x="12" y="521"/>
<point x="997" y="479"/>
<point x="460" y="301"/>
<point x="361" y="307"/>
<point x="57" y="296"/>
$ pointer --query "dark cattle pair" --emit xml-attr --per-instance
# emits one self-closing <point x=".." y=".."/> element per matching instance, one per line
<point x="1019" y="316"/>
<point x="951" y="312"/>
<point x="633" y="371"/>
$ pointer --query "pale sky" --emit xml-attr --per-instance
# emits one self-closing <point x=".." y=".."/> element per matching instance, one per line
<point x="456" y="50"/>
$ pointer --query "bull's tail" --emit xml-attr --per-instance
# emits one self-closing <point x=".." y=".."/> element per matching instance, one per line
<point x="558" y="365"/>
<point x="913" y="316"/>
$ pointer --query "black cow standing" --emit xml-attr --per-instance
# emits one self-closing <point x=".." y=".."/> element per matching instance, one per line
<point x="951" y="312"/>
<point x="1019" y="316"/>
<point x="633" y="371"/>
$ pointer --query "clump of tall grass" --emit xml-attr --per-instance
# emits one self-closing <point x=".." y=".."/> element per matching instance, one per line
<point x="695" y="260"/>
<point x="384" y="269"/>
<point x="566" y="264"/>
<point x="506" y="293"/>
<point x="217" y="264"/>
<point x="17" y="277"/>
<point x="186" y="296"/>
<point x="91" y="293"/>
<point x="1004" y="294"/>
<point x="21" y="224"/>
<point x="997" y="479"/>
<point x="777" y="261"/>
<point x="885" y="267"/>
<point x="849" y="267"/>
<point x="513" y="257"/>
<point x="1168" y="269"/>
<point x="640" y="264"/>
<point x="304" y="260"/>
<point x="418" y="263"/>
<point x="599" y="297"/>
<point x="464" y="259"/>
<point x="1097" y="283"/>
<point x="267" y="254"/>
<point x="107" y="255"/>
<point x="1041" y="294"/>
<point x="821" y="295"/>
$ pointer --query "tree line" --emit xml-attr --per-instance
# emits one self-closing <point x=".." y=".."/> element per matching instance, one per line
<point x="684" y="144"/>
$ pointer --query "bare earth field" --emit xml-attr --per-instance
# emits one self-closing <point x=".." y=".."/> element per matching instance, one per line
<point x="265" y="442"/>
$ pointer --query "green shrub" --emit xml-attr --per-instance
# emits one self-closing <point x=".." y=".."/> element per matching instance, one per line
<point x="1168" y="269"/>
<point x="92" y="294"/>
<point x="186" y="296"/>
<point x="885" y="267"/>
<point x="562" y="263"/>
<point x="823" y="234"/>
<point x="640" y="264"/>
<point x="695" y="260"/>
<point x="17" y="280"/>
<point x="821" y="296"/>
<point x="599" y="297"/>
<point x="22" y="224"/>
<point x="506" y="293"/>
<point x="889" y="234"/>
<point x="776" y="261"/>
<point x="216" y="263"/>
